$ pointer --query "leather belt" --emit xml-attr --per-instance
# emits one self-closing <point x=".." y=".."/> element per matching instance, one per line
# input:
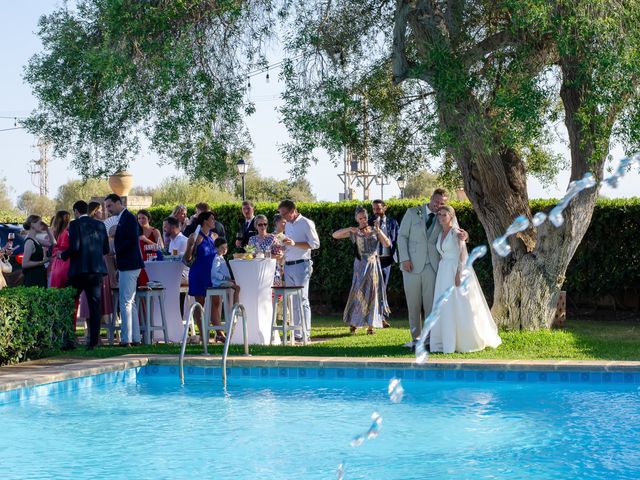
<point x="296" y="262"/>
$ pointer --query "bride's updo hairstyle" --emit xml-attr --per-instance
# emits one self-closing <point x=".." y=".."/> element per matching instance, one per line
<point x="449" y="210"/>
<point x="360" y="209"/>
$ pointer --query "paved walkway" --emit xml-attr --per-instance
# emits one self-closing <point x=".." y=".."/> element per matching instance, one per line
<point x="56" y="369"/>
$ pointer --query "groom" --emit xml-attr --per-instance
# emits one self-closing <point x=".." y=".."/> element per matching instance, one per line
<point x="419" y="258"/>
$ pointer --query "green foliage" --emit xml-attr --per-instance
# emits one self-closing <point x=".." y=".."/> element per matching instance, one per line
<point x="34" y="322"/>
<point x="617" y="262"/>
<point x="11" y="217"/>
<point x="32" y="203"/>
<point x="114" y="72"/>
<point x="5" y="202"/>
<point x="179" y="190"/>
<point x="421" y="185"/>
<point x="74" y="190"/>
<point x="269" y="189"/>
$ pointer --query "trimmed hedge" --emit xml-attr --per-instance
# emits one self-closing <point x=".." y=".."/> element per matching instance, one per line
<point x="606" y="263"/>
<point x="34" y="322"/>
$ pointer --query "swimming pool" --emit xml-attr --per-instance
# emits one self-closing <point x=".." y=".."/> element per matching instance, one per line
<point x="297" y="423"/>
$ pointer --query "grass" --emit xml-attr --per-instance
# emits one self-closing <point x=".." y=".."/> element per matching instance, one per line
<point x="580" y="340"/>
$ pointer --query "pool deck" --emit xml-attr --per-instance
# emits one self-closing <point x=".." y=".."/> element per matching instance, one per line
<point x="49" y="370"/>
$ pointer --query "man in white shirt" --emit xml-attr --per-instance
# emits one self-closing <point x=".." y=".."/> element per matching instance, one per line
<point x="177" y="244"/>
<point x="301" y="238"/>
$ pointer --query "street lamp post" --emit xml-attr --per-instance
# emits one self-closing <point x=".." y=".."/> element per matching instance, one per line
<point x="401" y="184"/>
<point x="242" y="170"/>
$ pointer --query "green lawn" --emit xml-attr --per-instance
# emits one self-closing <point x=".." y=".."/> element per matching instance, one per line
<point x="580" y="340"/>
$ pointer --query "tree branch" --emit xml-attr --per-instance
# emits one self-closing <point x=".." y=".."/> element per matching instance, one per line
<point x="400" y="65"/>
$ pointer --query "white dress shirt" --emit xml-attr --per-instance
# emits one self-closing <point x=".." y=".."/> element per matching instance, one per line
<point x="300" y="230"/>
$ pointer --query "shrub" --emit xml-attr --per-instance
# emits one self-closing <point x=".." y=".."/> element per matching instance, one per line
<point x="34" y="322"/>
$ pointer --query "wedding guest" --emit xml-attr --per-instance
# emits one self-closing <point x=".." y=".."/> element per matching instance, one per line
<point x="60" y="268"/>
<point x="465" y="323"/>
<point x="246" y="227"/>
<point x="129" y="264"/>
<point x="367" y="303"/>
<point x="88" y="244"/>
<point x="419" y="258"/>
<point x="279" y="224"/>
<point x="35" y="259"/>
<point x="94" y="210"/>
<point x="387" y="255"/>
<point x="149" y="235"/>
<point x="177" y="245"/>
<point x="264" y="241"/>
<point x="301" y="238"/>
<point x="203" y="207"/>
<point x="201" y="244"/>
<point x="180" y="214"/>
<point x="220" y="272"/>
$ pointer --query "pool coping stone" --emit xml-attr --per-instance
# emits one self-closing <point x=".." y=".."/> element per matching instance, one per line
<point x="49" y="370"/>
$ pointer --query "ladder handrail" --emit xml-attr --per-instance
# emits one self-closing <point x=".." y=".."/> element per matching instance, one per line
<point x="238" y="308"/>
<point x="185" y="335"/>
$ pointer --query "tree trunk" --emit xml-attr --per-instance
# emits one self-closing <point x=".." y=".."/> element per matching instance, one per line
<point x="528" y="281"/>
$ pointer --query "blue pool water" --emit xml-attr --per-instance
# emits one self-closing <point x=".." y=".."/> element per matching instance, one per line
<point x="143" y="424"/>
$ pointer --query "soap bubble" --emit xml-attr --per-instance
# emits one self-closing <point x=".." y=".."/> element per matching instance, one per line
<point x="538" y="219"/>
<point x="373" y="432"/>
<point x="340" y="472"/>
<point x="357" y="441"/>
<point x="395" y="390"/>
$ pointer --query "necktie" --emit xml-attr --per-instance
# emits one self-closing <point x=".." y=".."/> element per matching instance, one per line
<point x="430" y="221"/>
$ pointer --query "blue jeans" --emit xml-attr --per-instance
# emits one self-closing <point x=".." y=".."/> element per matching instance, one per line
<point x="299" y="275"/>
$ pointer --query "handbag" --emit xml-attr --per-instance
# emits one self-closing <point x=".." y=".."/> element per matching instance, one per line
<point x="5" y="265"/>
<point x="189" y="263"/>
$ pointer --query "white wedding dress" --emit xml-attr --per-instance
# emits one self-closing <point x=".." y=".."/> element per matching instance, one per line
<point x="465" y="323"/>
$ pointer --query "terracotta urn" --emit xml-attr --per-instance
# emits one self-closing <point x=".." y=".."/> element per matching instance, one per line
<point x="121" y="183"/>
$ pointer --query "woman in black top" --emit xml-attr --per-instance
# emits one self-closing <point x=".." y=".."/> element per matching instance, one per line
<point x="35" y="258"/>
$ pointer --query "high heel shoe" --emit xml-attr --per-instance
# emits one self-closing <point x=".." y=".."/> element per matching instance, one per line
<point x="220" y="338"/>
<point x="370" y="331"/>
<point x="352" y="330"/>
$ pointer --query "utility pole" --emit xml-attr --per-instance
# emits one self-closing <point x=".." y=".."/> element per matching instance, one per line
<point x="40" y="168"/>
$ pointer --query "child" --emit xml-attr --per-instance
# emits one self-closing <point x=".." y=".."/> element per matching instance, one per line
<point x="220" y="275"/>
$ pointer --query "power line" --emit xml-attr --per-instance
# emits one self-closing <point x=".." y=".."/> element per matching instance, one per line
<point x="7" y="129"/>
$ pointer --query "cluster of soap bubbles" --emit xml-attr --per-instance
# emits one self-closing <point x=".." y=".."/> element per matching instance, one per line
<point x="395" y="390"/>
<point x="501" y="246"/>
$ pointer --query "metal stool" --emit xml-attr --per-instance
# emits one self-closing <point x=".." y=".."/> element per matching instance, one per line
<point x="144" y="297"/>
<point x="289" y="294"/>
<point x="226" y="303"/>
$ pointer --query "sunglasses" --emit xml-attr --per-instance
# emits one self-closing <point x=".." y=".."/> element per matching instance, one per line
<point x="262" y="224"/>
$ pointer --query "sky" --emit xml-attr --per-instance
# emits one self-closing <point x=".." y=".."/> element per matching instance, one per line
<point x="18" y="26"/>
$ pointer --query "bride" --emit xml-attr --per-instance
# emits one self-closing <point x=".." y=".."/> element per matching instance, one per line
<point x="465" y="323"/>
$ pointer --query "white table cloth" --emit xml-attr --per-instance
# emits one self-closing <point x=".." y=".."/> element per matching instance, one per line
<point x="169" y="273"/>
<point x="255" y="278"/>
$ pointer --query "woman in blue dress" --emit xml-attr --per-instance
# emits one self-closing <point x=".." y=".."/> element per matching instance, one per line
<point x="201" y="244"/>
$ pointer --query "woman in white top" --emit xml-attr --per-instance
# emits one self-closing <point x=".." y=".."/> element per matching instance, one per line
<point x="465" y="323"/>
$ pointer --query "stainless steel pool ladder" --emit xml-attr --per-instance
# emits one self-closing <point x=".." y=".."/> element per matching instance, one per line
<point x="237" y="310"/>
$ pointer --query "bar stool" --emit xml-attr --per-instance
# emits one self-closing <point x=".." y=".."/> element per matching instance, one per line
<point x="289" y="295"/>
<point x="226" y="302"/>
<point x="145" y="296"/>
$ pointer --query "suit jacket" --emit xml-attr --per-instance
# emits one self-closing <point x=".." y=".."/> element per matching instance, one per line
<point x="88" y="243"/>
<point x="415" y="243"/>
<point x="392" y="233"/>
<point x="127" y="244"/>
<point x="247" y="232"/>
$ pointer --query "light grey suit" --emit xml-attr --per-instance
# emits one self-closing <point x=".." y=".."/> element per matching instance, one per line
<point x="417" y="244"/>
